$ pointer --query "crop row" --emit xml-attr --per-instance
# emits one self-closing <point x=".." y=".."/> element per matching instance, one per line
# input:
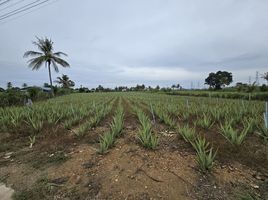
<point x="63" y="110"/>
<point x="108" y="139"/>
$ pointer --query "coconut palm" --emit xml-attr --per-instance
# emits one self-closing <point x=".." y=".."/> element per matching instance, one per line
<point x="9" y="85"/>
<point x="65" y="81"/>
<point x="24" y="85"/>
<point x="46" y="56"/>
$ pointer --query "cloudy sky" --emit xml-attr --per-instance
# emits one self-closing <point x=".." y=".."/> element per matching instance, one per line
<point x="129" y="42"/>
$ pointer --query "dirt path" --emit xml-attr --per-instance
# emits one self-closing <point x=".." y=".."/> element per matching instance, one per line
<point x="129" y="171"/>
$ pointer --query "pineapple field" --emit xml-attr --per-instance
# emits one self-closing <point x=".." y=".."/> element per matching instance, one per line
<point x="135" y="145"/>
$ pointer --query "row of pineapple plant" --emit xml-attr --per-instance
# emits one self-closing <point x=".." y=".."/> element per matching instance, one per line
<point x="107" y="140"/>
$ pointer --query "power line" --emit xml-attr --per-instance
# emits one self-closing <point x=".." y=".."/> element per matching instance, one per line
<point x="22" y="10"/>
<point x="11" y="5"/>
<point x="4" y="2"/>
<point x="26" y="13"/>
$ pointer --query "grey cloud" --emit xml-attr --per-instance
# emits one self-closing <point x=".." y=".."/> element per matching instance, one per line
<point x="111" y="42"/>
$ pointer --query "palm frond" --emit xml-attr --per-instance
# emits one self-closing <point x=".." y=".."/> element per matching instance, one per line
<point x="59" y="54"/>
<point x="48" y="44"/>
<point x="44" y="45"/>
<point x="32" y="53"/>
<point x="60" y="61"/>
<point x="59" y="81"/>
<point x="55" y="66"/>
<point x="36" y="63"/>
<point x="39" y="44"/>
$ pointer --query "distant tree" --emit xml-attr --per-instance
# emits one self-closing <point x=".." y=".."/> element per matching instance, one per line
<point x="219" y="79"/>
<point x="24" y="85"/>
<point x="65" y="81"/>
<point x="165" y="89"/>
<point x="122" y="88"/>
<point x="99" y="88"/>
<point x="9" y="85"/>
<point x="264" y="88"/>
<point x="33" y="92"/>
<point x="177" y="86"/>
<point x="241" y="86"/>
<point x="251" y="87"/>
<point x="140" y="87"/>
<point x="47" y="56"/>
<point x="83" y="89"/>
<point x="265" y="77"/>
<point x="157" y="87"/>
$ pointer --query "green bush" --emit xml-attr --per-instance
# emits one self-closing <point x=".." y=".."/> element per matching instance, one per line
<point x="33" y="92"/>
<point x="262" y="96"/>
<point x="11" y="97"/>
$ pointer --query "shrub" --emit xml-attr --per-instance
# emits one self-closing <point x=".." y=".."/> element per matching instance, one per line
<point x="11" y="97"/>
<point x="33" y="92"/>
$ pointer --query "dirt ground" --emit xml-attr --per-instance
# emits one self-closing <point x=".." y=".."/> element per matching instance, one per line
<point x="62" y="166"/>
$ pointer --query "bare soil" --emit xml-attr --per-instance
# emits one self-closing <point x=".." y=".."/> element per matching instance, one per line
<point x="62" y="166"/>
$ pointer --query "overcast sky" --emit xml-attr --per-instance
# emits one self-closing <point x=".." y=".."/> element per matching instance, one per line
<point x="129" y="42"/>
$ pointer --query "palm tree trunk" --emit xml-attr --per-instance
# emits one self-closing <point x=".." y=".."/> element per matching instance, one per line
<point x="50" y="79"/>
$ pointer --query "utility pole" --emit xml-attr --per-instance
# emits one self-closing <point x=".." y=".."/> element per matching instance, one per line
<point x="257" y="78"/>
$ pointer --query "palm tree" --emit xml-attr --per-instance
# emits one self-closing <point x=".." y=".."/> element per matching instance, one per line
<point x="24" y="85"/>
<point x="9" y="85"/>
<point x="265" y="76"/>
<point x="46" y="56"/>
<point x="65" y="81"/>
